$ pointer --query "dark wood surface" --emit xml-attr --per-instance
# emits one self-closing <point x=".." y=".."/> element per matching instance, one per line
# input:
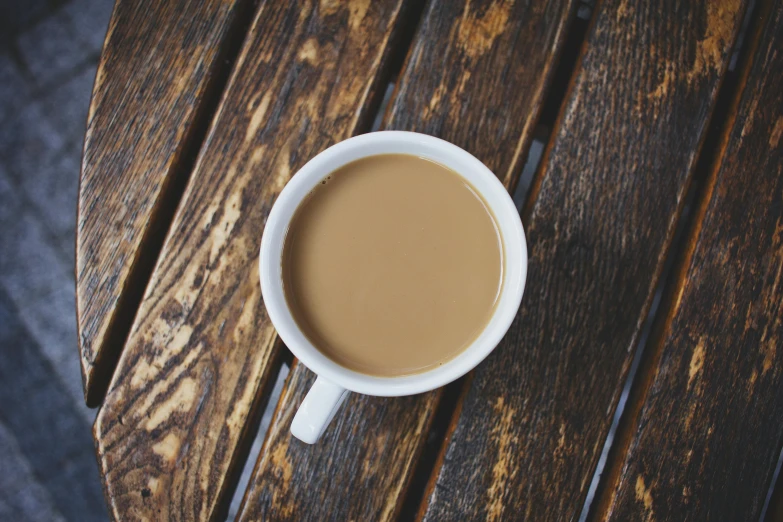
<point x="477" y="73"/>
<point x="706" y="434"/>
<point x="485" y="98"/>
<point x="149" y="97"/>
<point x="201" y="350"/>
<point x="202" y="112"/>
<point x="358" y="470"/>
<point x="599" y="221"/>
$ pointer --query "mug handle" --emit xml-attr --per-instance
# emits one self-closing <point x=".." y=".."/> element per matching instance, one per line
<point x="317" y="410"/>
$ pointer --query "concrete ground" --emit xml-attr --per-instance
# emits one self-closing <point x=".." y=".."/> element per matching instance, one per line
<point x="48" y="54"/>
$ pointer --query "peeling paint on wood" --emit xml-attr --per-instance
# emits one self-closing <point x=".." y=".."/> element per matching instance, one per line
<point x="707" y="421"/>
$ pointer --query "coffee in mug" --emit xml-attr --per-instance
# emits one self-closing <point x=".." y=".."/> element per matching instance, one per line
<point x="392" y="265"/>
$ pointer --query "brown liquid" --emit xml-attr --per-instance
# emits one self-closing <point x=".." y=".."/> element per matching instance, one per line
<point x="393" y="265"/>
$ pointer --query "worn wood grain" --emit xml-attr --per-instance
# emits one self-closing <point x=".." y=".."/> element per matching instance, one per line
<point x="475" y="75"/>
<point x="707" y="429"/>
<point x="154" y="80"/>
<point x="599" y="219"/>
<point x="201" y="347"/>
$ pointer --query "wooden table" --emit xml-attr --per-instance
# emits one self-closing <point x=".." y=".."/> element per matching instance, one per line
<point x="662" y="170"/>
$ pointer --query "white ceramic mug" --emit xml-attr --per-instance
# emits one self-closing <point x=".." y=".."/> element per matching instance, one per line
<point x="334" y="381"/>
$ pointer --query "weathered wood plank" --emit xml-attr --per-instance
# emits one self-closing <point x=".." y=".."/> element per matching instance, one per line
<point x="599" y="220"/>
<point x="201" y="347"/>
<point x="707" y="429"/>
<point x="156" y="73"/>
<point x="475" y="76"/>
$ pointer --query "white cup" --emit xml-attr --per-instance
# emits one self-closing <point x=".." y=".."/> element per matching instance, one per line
<point x="334" y="381"/>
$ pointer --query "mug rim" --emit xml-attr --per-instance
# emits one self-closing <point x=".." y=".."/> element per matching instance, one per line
<point x="466" y="166"/>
